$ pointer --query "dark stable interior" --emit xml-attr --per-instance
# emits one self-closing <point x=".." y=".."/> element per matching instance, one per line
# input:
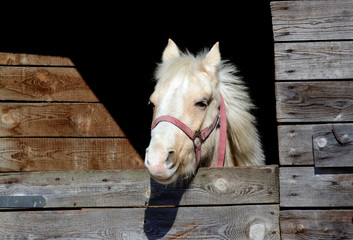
<point x="117" y="47"/>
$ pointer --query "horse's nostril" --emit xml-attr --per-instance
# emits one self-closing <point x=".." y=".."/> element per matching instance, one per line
<point x="170" y="160"/>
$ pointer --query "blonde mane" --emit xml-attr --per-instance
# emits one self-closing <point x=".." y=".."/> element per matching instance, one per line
<point x="244" y="146"/>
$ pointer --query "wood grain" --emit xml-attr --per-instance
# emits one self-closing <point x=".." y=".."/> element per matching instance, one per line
<point x="15" y="59"/>
<point x="314" y="101"/>
<point x="44" y="84"/>
<point x="295" y="145"/>
<point x="313" y="70"/>
<point x="57" y="119"/>
<point x="307" y="187"/>
<point x="128" y="188"/>
<point x="316" y="224"/>
<point x="314" y="60"/>
<point x="38" y="137"/>
<point x="67" y="154"/>
<point x="229" y="222"/>
<point x="333" y="145"/>
<point x="312" y="20"/>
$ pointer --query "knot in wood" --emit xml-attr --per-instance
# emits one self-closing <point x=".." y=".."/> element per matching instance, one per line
<point x="42" y="76"/>
<point x="221" y="185"/>
<point x="299" y="228"/>
<point x="339" y="117"/>
<point x="292" y="152"/>
<point x="8" y="118"/>
<point x="148" y="193"/>
<point x="321" y="142"/>
<point x="257" y="231"/>
<point x="84" y="123"/>
<point x="125" y="235"/>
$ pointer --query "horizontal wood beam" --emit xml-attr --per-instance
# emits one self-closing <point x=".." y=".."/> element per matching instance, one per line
<point x="309" y="187"/>
<point x="227" y="222"/>
<point x="129" y="188"/>
<point x="312" y="20"/>
<point x="316" y="224"/>
<point x="57" y="120"/>
<point x="14" y="59"/>
<point x="314" y="101"/>
<point x="67" y="154"/>
<point x="314" y="60"/>
<point x="44" y="84"/>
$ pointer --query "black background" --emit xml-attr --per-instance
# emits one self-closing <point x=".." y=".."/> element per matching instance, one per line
<point x="116" y="48"/>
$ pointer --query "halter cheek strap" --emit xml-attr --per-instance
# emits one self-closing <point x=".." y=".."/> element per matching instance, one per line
<point x="223" y="134"/>
<point x="202" y="135"/>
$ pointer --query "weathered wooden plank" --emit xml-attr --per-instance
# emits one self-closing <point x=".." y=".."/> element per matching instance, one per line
<point x="126" y="188"/>
<point x="44" y="84"/>
<point x="33" y="59"/>
<point x="303" y="187"/>
<point x="316" y="224"/>
<point x="314" y="101"/>
<point x="295" y="144"/>
<point x="312" y="20"/>
<point x="228" y="222"/>
<point x="57" y="119"/>
<point x="67" y="154"/>
<point x="314" y="60"/>
<point x="333" y="145"/>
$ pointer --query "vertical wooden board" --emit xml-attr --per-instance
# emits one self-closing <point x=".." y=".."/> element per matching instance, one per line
<point x="67" y="154"/>
<point x="295" y="144"/>
<point x="313" y="60"/>
<point x="333" y="145"/>
<point x="314" y="101"/>
<point x="312" y="20"/>
<point x="316" y="224"/>
<point x="229" y="222"/>
<point x="309" y="187"/>
<point x="44" y="84"/>
<point x="57" y="119"/>
<point x="13" y="59"/>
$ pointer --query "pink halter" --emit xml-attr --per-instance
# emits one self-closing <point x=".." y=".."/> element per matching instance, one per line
<point x="202" y="135"/>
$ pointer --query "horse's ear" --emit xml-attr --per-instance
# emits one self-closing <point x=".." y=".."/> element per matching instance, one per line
<point x="212" y="60"/>
<point x="171" y="51"/>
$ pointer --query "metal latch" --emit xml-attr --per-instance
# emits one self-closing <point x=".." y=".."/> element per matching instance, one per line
<point x="22" y="201"/>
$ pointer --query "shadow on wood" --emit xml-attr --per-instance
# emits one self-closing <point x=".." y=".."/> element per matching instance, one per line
<point x="160" y="219"/>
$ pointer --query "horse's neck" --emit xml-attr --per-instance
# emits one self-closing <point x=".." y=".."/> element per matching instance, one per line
<point x="210" y="151"/>
<point x="230" y="160"/>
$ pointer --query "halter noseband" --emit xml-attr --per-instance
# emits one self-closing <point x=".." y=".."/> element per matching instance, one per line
<point x="202" y="135"/>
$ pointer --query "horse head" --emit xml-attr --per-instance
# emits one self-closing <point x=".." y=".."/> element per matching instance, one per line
<point x="187" y="91"/>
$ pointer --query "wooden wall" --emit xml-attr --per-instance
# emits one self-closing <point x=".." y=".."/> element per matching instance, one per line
<point x="67" y="171"/>
<point x="314" y="102"/>
<point x="126" y="204"/>
<point x="51" y="120"/>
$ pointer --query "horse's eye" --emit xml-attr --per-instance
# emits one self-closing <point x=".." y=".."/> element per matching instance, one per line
<point x="202" y="104"/>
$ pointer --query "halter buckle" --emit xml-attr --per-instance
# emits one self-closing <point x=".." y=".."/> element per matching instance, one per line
<point x="198" y="135"/>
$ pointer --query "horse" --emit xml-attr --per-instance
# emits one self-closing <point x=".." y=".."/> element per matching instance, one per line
<point x="187" y="103"/>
